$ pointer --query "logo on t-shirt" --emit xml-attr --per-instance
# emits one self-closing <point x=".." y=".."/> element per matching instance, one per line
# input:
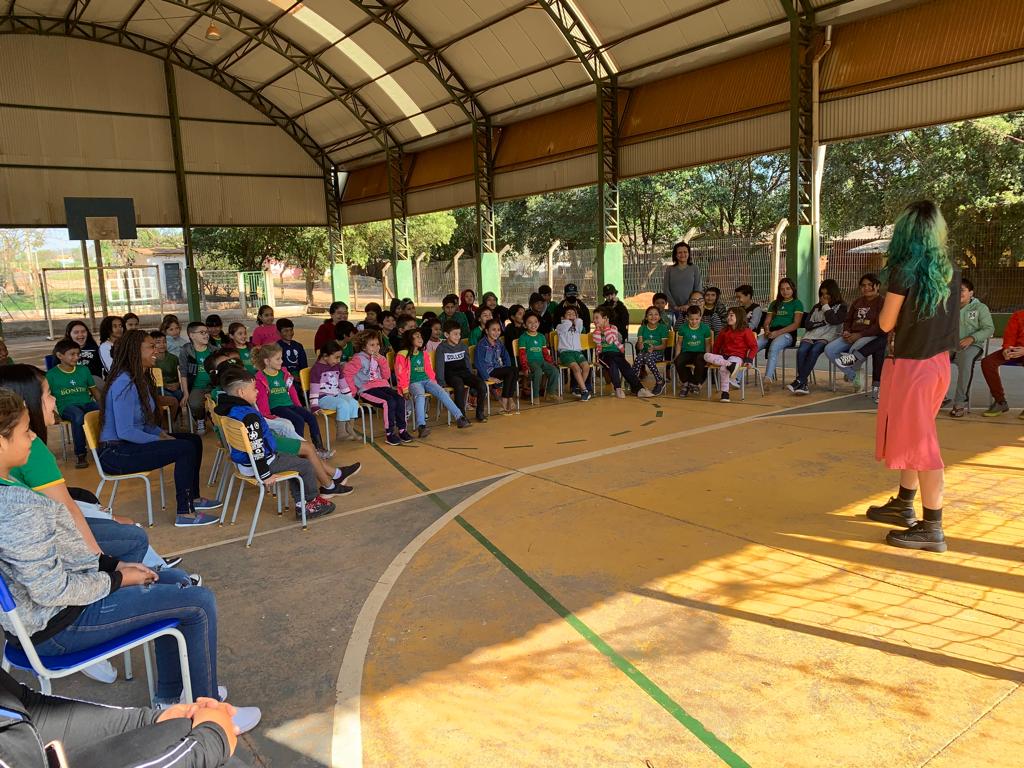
<point x="972" y="315"/>
<point x="862" y="316"/>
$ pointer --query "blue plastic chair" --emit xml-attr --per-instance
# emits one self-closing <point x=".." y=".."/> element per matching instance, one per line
<point x="47" y="668"/>
<point x="50" y="361"/>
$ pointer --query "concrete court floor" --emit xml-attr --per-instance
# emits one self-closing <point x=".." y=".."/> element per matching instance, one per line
<point x="666" y="583"/>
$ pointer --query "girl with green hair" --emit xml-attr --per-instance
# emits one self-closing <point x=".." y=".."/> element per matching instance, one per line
<point x="921" y="312"/>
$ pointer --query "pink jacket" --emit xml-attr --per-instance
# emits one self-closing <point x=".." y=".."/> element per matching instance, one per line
<point x="265" y="334"/>
<point x="610" y="335"/>
<point x="263" y="392"/>
<point x="360" y="375"/>
<point x="403" y="369"/>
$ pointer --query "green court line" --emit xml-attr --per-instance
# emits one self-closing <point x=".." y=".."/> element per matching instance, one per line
<point x="659" y="414"/>
<point x="567" y="442"/>
<point x="520" y="446"/>
<point x="623" y="432"/>
<point x="648" y="686"/>
<point x="647" y="423"/>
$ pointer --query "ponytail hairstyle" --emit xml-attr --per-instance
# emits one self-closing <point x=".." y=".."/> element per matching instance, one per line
<point x="263" y="353"/>
<point x="11" y="408"/>
<point x="917" y="256"/>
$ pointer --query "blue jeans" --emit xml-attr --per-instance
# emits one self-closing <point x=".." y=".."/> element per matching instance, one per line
<point x="807" y="355"/>
<point x="125" y="542"/>
<point x="185" y="452"/>
<point x="300" y="417"/>
<point x="839" y="346"/>
<point x="420" y="390"/>
<point x="172" y="597"/>
<point x="75" y="415"/>
<point x="345" y="405"/>
<point x="775" y="348"/>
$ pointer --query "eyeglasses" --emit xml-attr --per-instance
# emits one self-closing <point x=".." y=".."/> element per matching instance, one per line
<point x="201" y="333"/>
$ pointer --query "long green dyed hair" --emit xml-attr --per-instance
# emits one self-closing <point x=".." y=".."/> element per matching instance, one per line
<point x="917" y="255"/>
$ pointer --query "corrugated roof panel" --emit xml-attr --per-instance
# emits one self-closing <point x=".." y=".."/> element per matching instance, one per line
<point x="259" y="66"/>
<point x="550" y="82"/>
<point x="264" y="10"/>
<point x="345" y="16"/>
<point x="210" y="50"/>
<point x="419" y="81"/>
<point x="107" y="11"/>
<point x="362" y="212"/>
<point x="160" y="21"/>
<point x="439" y="20"/>
<point x="382" y="46"/>
<point x="509" y="47"/>
<point x="737" y="15"/>
<point x="43" y="7"/>
<point x="576" y="96"/>
<point x="42" y="137"/>
<point x="564" y="174"/>
<point x="233" y="148"/>
<point x="368" y="146"/>
<point x="611" y="19"/>
<point x="456" y="195"/>
<point x="198" y="97"/>
<point x="35" y="198"/>
<point x="63" y="72"/>
<point x="238" y="201"/>
<point x="442" y="117"/>
<point x="444" y="163"/>
<point x="330" y="122"/>
<point x="548" y="136"/>
<point x="367" y="183"/>
<point x="308" y="37"/>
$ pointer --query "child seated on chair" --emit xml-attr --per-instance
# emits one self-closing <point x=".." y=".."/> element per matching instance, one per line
<point x="608" y="343"/>
<point x="668" y="317"/>
<point x="535" y="357"/>
<point x="5" y="355"/>
<point x="239" y="402"/>
<point x="713" y="310"/>
<point x="493" y="362"/>
<point x="343" y="334"/>
<point x="368" y="374"/>
<point x="432" y="333"/>
<point x="570" y="351"/>
<point x="195" y="382"/>
<point x="482" y="317"/>
<point x="239" y="336"/>
<point x="736" y="345"/>
<point x="372" y="319"/>
<point x="294" y="353"/>
<point x="168" y="365"/>
<point x="73" y="386"/>
<point x="414" y="373"/>
<point x="452" y="358"/>
<point x="651" y="341"/>
<point x="279" y="398"/>
<point x="693" y="341"/>
<point x="329" y="390"/>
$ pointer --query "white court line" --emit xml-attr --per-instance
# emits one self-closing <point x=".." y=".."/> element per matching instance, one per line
<point x="347" y="737"/>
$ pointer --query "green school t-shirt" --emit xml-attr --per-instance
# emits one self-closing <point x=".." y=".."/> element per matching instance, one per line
<point x="652" y="337"/>
<point x="278" y="390"/>
<point x="534" y="346"/>
<point x="474" y="336"/>
<point x="202" y="377"/>
<point x="41" y="470"/>
<point x="70" y="388"/>
<point x="168" y="365"/>
<point x="693" y="338"/>
<point x="417" y="368"/>
<point x="245" y="354"/>
<point x="785" y="311"/>
<point x="347" y="352"/>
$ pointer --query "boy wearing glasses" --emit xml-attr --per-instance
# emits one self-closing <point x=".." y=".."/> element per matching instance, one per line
<point x="195" y="381"/>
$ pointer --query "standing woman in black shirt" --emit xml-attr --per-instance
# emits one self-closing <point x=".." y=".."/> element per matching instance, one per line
<point x="922" y="312"/>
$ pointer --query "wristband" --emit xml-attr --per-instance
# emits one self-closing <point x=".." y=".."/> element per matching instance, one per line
<point x="108" y="564"/>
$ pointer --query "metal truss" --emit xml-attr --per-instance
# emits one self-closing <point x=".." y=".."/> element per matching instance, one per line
<point x="264" y="33"/>
<point x="587" y="49"/>
<point x="109" y="35"/>
<point x="608" y="159"/>
<point x="802" y="50"/>
<point x="397" y="194"/>
<point x="332" y="197"/>
<point x="483" y="177"/>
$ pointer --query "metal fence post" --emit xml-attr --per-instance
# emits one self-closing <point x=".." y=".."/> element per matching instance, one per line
<point x="455" y="270"/>
<point x="419" y="278"/>
<point x="777" y="255"/>
<point x="551" y="262"/>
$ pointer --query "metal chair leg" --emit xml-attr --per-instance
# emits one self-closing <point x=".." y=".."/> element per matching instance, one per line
<point x="256" y="515"/>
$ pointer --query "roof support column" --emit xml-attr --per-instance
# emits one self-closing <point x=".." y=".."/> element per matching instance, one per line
<point x="335" y="241"/>
<point x="609" y="247"/>
<point x="483" y="177"/>
<point x="800" y="266"/>
<point x="397" y="193"/>
<point x="191" y="275"/>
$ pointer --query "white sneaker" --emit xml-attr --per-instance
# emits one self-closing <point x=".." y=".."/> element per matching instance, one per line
<point x="101" y="672"/>
<point x="644" y="392"/>
<point x="246" y="718"/>
<point x="200" y="427"/>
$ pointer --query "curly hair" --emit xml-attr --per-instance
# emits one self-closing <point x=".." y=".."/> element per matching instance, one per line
<point x="264" y="352"/>
<point x="917" y="256"/>
<point x="11" y="408"/>
<point x="360" y="339"/>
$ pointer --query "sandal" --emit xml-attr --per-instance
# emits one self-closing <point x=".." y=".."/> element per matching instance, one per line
<point x="958" y="412"/>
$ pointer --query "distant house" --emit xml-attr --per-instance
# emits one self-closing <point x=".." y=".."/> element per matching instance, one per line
<point x="170" y="264"/>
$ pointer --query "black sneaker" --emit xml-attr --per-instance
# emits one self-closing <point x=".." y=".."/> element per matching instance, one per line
<point x="318" y="507"/>
<point x="392" y="439"/>
<point x="921" y="535"/>
<point x="481" y="418"/>
<point x="422" y="431"/>
<point x="895" y="511"/>
<point x="658" y="389"/>
<point x="348" y="472"/>
<point x="463" y="422"/>
<point x="404" y="436"/>
<point x="802" y="389"/>
<point x="725" y="397"/>
<point x="685" y="391"/>
<point x="81" y="462"/>
<point x="336" y="490"/>
<point x="794" y="386"/>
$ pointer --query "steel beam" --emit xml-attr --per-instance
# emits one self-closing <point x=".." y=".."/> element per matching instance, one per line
<point x="397" y="196"/>
<point x="191" y="276"/>
<point x="264" y="33"/>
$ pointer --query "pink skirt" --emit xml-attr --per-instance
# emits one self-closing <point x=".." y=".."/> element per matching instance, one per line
<point x="909" y="400"/>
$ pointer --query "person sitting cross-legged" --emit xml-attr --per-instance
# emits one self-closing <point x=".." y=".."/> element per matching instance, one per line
<point x="1012" y="353"/>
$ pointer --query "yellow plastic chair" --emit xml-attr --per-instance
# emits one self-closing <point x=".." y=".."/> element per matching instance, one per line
<point x="158" y="378"/>
<point x="92" y="439"/>
<point x="328" y="414"/>
<point x="237" y="438"/>
<point x="222" y="448"/>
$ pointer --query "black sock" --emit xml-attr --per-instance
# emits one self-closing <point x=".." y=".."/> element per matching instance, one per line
<point x="906" y="494"/>
<point x="932" y="515"/>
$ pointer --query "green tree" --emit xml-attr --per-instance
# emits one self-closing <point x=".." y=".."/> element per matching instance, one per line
<point x="370" y="245"/>
<point x="246" y="249"/>
<point x="308" y="249"/>
<point x="15" y="246"/>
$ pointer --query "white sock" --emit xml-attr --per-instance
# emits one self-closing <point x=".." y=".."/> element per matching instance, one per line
<point x="337" y="474"/>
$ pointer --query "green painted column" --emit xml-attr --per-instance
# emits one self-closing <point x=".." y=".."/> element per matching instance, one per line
<point x="405" y="286"/>
<point x="339" y="282"/>
<point x="800" y="262"/>
<point x="490" y="274"/>
<point x="609" y="268"/>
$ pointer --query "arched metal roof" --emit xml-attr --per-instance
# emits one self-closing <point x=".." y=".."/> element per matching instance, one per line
<point x="356" y="75"/>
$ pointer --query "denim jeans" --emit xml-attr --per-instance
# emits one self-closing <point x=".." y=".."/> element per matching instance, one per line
<point x="172" y="597"/>
<point x="185" y="452"/>
<point x="807" y="355"/>
<point x="964" y="360"/>
<point x="420" y="390"/>
<point x="835" y="348"/>
<point x="75" y="415"/>
<point x="125" y="542"/>
<point x="346" y="406"/>
<point x="300" y="417"/>
<point x="775" y="348"/>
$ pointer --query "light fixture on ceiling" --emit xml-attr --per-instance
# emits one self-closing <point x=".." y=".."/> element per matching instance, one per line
<point x="213" y="32"/>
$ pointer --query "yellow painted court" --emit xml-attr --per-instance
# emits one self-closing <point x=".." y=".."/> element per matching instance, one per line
<point x="627" y="583"/>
